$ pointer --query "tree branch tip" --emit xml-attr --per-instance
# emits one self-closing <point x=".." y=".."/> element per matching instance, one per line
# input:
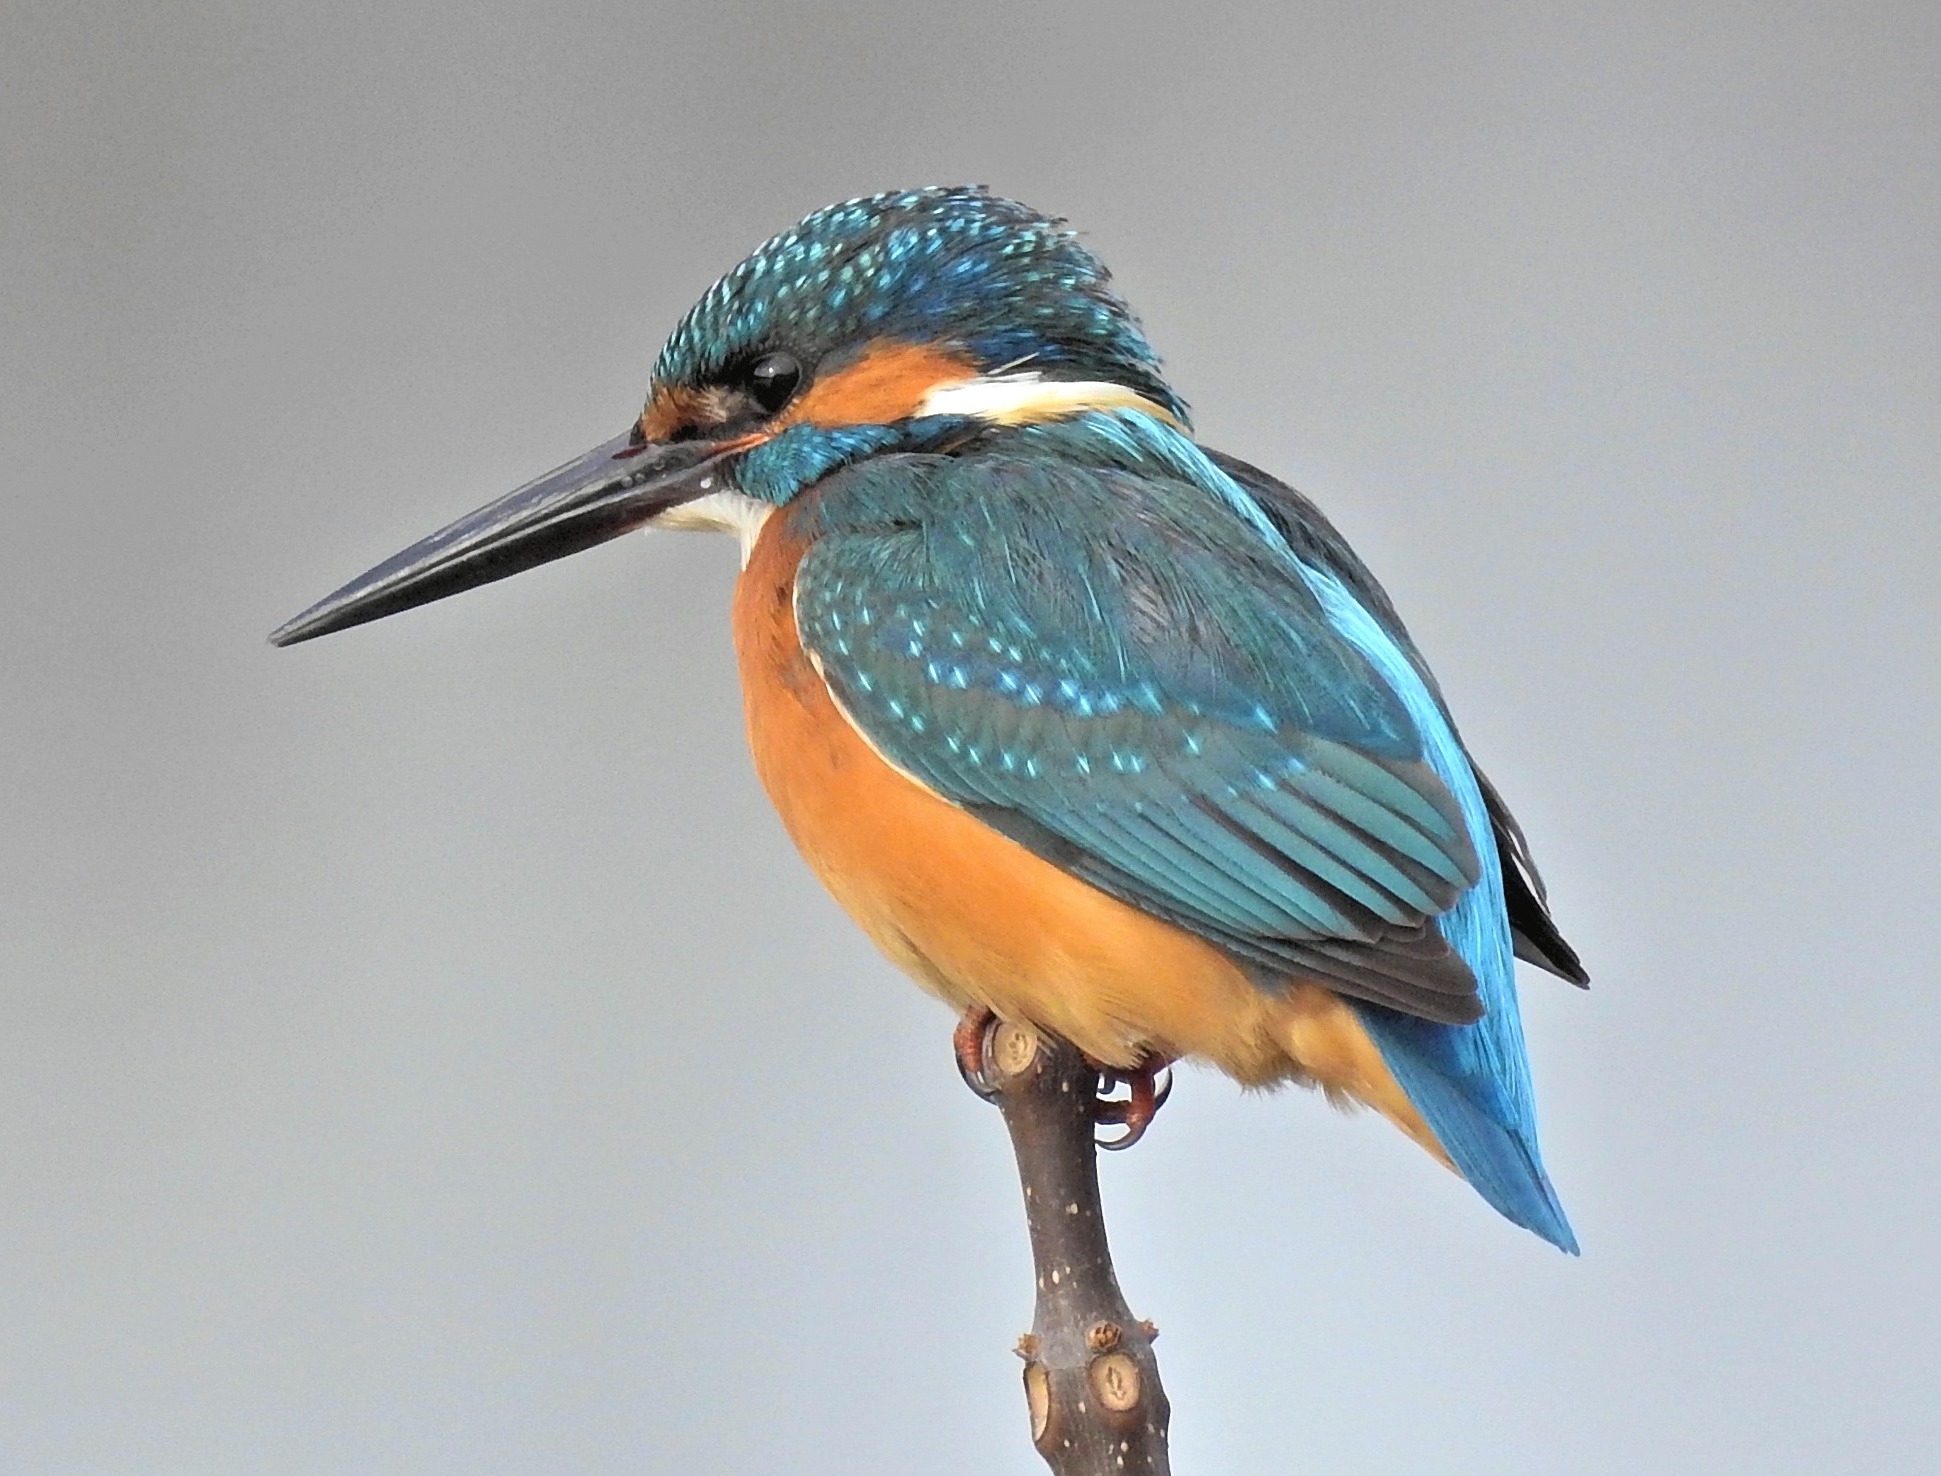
<point x="1014" y="1049"/>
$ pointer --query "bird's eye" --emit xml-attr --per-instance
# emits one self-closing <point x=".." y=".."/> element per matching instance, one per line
<point x="773" y="379"/>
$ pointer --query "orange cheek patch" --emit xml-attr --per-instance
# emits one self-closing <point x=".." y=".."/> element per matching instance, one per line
<point x="886" y="384"/>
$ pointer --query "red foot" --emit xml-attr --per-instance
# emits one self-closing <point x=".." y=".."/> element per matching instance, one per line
<point x="968" y="1042"/>
<point x="1146" y="1093"/>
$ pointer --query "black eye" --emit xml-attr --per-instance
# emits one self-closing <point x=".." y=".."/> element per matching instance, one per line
<point x="772" y="379"/>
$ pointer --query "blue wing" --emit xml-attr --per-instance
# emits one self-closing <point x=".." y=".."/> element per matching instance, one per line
<point x="1117" y="671"/>
<point x="1316" y="542"/>
<point x="1095" y="640"/>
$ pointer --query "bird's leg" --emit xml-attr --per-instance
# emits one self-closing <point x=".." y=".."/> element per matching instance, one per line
<point x="1147" y="1085"/>
<point x="968" y="1040"/>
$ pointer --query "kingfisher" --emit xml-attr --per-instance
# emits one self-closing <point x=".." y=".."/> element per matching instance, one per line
<point x="1093" y="729"/>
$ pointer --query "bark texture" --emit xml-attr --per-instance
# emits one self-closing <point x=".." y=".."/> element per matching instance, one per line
<point x="1091" y="1380"/>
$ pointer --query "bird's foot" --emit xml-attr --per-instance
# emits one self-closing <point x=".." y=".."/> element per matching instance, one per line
<point x="1147" y="1085"/>
<point x="969" y="1040"/>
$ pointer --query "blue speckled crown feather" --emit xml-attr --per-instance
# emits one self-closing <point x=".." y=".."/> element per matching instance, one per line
<point x="953" y="265"/>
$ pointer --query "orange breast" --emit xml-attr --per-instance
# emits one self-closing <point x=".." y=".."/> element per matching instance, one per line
<point x="977" y="918"/>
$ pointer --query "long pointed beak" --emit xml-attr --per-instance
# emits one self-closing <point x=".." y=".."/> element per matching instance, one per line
<point x="611" y="490"/>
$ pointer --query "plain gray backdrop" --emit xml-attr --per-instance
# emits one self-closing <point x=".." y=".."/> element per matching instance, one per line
<point x="422" y="1052"/>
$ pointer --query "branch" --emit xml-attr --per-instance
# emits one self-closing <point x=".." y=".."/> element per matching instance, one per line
<point x="1090" y="1377"/>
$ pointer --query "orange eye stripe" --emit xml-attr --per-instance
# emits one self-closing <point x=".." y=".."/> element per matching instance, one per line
<point x="674" y="408"/>
<point x="886" y="384"/>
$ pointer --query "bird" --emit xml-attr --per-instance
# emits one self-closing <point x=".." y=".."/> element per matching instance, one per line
<point x="1092" y="728"/>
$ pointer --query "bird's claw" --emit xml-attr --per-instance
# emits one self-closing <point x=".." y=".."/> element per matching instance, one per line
<point x="1147" y="1085"/>
<point x="971" y="1040"/>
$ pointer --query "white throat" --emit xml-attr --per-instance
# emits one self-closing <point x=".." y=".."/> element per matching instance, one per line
<point x="720" y="512"/>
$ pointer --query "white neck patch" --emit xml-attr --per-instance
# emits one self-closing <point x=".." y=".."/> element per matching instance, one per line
<point x="1021" y="399"/>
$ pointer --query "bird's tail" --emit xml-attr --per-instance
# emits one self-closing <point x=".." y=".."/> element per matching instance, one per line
<point x="1498" y="1158"/>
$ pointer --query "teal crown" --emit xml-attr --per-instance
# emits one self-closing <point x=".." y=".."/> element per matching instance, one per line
<point x="947" y="265"/>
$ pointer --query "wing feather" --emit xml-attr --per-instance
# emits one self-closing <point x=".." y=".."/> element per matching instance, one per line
<point x="1534" y="932"/>
<point x="1120" y="672"/>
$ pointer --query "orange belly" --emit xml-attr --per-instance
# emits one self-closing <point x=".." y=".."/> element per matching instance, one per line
<point x="978" y="919"/>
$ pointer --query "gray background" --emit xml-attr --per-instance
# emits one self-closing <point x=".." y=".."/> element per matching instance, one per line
<point x="421" y="1051"/>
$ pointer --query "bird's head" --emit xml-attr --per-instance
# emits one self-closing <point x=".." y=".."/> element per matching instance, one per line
<point x="895" y="321"/>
